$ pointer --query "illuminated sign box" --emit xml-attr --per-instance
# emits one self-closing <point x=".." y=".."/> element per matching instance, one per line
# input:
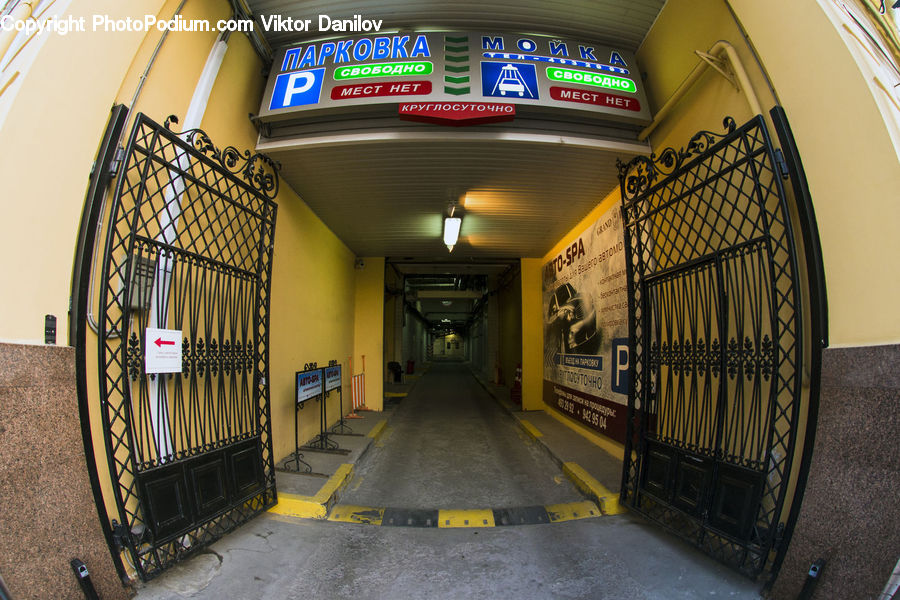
<point x="455" y="68"/>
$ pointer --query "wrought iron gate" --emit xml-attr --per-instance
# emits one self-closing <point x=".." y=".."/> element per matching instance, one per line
<point x="716" y="342"/>
<point x="189" y="240"/>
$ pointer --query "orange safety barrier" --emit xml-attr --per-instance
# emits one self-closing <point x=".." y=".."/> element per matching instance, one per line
<point x="358" y="393"/>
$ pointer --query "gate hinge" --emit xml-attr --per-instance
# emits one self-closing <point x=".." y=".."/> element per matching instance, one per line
<point x="121" y="536"/>
<point x="124" y="538"/>
<point x="782" y="164"/>
<point x="116" y="162"/>
<point x="779" y="537"/>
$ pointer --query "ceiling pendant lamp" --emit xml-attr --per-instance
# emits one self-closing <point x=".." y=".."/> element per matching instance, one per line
<point x="451" y="229"/>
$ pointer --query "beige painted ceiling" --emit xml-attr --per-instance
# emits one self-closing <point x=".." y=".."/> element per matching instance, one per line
<point x="382" y="185"/>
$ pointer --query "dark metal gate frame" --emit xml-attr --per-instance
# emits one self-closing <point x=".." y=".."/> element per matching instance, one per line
<point x="189" y="238"/>
<point x="689" y="487"/>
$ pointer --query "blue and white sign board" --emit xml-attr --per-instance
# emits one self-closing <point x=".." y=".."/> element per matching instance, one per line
<point x="457" y="68"/>
<point x="509" y="80"/>
<point x="309" y="384"/>
<point x="162" y="350"/>
<point x="298" y="89"/>
<point x="332" y="378"/>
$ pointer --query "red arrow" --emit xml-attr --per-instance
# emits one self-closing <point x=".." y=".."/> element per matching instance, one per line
<point x="161" y="342"/>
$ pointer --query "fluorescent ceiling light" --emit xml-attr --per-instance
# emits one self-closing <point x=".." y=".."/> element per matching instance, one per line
<point x="451" y="231"/>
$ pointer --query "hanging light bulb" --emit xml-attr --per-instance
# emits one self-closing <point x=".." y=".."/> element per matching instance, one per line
<point x="451" y="231"/>
<point x="452" y="225"/>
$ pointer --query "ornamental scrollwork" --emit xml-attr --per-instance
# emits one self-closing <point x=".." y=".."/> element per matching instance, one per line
<point x="134" y="357"/>
<point x="641" y="172"/>
<point x="258" y="170"/>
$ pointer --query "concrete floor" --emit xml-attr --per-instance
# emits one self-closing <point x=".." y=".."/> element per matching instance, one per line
<point x="450" y="445"/>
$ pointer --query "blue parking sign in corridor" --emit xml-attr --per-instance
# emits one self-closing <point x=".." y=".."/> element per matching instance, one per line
<point x="509" y="80"/>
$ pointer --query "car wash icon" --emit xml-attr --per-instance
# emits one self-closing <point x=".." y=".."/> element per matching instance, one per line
<point x="510" y="80"/>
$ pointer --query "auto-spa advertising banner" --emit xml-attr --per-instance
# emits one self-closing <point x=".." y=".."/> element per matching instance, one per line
<point x="469" y="71"/>
<point x="332" y="377"/>
<point x="585" y="295"/>
<point x="309" y="385"/>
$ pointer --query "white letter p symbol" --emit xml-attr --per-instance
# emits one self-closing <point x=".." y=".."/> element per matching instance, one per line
<point x="297" y="84"/>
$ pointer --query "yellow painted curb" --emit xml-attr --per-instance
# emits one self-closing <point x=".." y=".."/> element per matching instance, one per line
<point x="531" y="429"/>
<point x="302" y="507"/>
<point x="314" y="507"/>
<point x="572" y="511"/>
<point x="378" y="429"/>
<point x="608" y="502"/>
<point x="364" y="515"/>
<point x="603" y="443"/>
<point x="465" y="518"/>
<point x="334" y="483"/>
<point x="395" y="394"/>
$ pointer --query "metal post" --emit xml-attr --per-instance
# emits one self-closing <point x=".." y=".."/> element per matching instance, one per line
<point x="84" y="579"/>
<point x="297" y="454"/>
<point x="341" y="425"/>
<point x="812" y="578"/>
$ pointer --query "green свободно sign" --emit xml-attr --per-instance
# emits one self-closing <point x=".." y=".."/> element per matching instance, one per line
<point x="383" y="70"/>
<point x="599" y="79"/>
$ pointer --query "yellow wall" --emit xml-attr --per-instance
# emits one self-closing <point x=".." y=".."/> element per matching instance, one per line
<point x="667" y="56"/>
<point x="59" y="107"/>
<point x="181" y="58"/>
<point x="369" y="329"/>
<point x="850" y="161"/>
<point x="312" y="316"/>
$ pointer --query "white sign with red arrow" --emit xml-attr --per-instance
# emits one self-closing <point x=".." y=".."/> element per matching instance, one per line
<point x="162" y="350"/>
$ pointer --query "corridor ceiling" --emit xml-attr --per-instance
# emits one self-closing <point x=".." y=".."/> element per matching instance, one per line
<point x="613" y="22"/>
<point x="382" y="185"/>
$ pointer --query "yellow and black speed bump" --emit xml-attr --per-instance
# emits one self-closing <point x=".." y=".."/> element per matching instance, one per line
<point x="526" y="515"/>
<point x="398" y="517"/>
<point x="450" y="518"/>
